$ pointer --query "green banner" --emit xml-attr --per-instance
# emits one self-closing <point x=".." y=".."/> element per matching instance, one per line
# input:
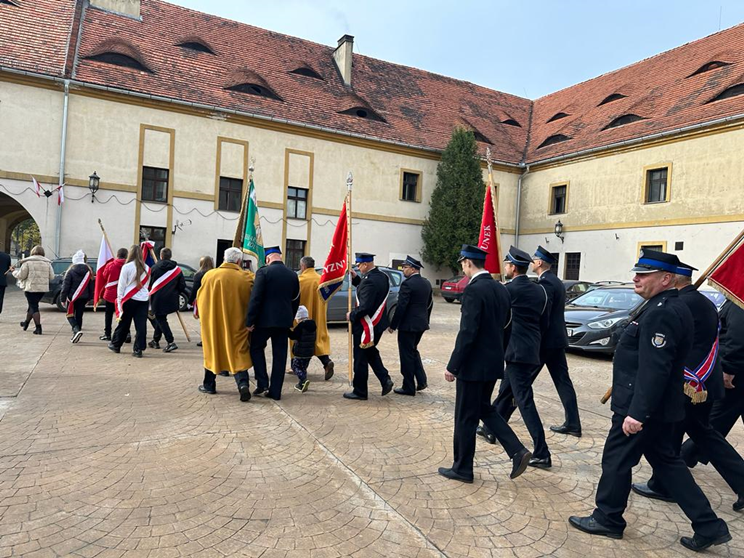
<point x="252" y="238"/>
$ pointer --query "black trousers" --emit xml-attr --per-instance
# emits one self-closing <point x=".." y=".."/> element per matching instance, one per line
<point x="655" y="442"/>
<point x="210" y="379"/>
<point x="33" y="300"/>
<point x="279" y="346"/>
<point x="473" y="404"/>
<point x="363" y="359"/>
<point x="132" y="311"/>
<point x="108" y="318"/>
<point x="324" y="359"/>
<point x="161" y="327"/>
<point x="411" y="366"/>
<point x="2" y="297"/>
<point x="78" y="310"/>
<point x="518" y="381"/>
<point x="709" y="441"/>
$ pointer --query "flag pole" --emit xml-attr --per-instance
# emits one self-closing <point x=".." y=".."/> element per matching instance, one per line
<point x="349" y="185"/>
<point x="722" y="256"/>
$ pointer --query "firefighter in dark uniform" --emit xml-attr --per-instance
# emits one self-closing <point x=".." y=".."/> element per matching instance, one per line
<point x="647" y="401"/>
<point x="411" y="319"/>
<point x="476" y="363"/>
<point x="368" y="322"/>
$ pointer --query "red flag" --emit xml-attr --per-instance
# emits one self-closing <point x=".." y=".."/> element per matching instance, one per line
<point x="336" y="263"/>
<point x="490" y="237"/>
<point x="729" y="276"/>
<point x="105" y="255"/>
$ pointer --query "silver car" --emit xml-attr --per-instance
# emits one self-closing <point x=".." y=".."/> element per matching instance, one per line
<point x="338" y="303"/>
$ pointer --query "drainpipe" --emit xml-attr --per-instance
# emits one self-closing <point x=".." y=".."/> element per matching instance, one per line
<point x="519" y="205"/>
<point x="62" y="155"/>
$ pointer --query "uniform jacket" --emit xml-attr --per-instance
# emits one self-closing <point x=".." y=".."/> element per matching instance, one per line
<point x="648" y="368"/>
<point x="110" y="274"/>
<point x="34" y="274"/>
<point x="530" y="314"/>
<point x="223" y="301"/>
<point x="316" y="309"/>
<point x="275" y="297"/>
<point x="485" y="324"/>
<point x="705" y="317"/>
<point x="732" y="339"/>
<point x="73" y="277"/>
<point x="166" y="300"/>
<point x="4" y="266"/>
<point x="555" y="337"/>
<point x="371" y="290"/>
<point x="414" y="305"/>
<point x="304" y="339"/>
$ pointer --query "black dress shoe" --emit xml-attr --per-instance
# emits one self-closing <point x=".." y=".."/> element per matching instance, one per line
<point x="154" y="344"/>
<point x="698" y="543"/>
<point x="207" y="390"/>
<point x="563" y="429"/>
<point x="401" y="391"/>
<point x="199" y="344"/>
<point x="541" y="462"/>
<point x="137" y="353"/>
<point x="354" y="396"/>
<point x="519" y="463"/>
<point x="105" y="337"/>
<point x="422" y="387"/>
<point x="642" y="489"/>
<point x="450" y="474"/>
<point x="245" y="392"/>
<point x="590" y="525"/>
<point x="486" y="433"/>
<point x="387" y="388"/>
<point x="112" y="347"/>
<point x="128" y="339"/>
<point x="739" y="504"/>
<point x="328" y="369"/>
<point x="260" y="390"/>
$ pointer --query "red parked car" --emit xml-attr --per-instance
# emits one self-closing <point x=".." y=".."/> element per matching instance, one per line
<point x="452" y="288"/>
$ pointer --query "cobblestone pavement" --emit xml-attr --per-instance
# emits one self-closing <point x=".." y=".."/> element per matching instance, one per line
<point x="106" y="455"/>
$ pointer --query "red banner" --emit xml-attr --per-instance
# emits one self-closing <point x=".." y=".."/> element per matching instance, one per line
<point x="490" y="237"/>
<point x="336" y="264"/>
<point x="729" y="276"/>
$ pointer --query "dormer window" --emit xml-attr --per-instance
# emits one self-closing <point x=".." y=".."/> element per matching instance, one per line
<point x="480" y="137"/>
<point x="307" y="72"/>
<point x="733" y="91"/>
<point x="10" y="3"/>
<point x="557" y="138"/>
<point x="610" y="98"/>
<point x="196" y="46"/>
<point x="715" y="64"/>
<point x="363" y="112"/>
<point x="511" y="122"/>
<point x="558" y="116"/>
<point x="623" y="120"/>
<point x="255" y="89"/>
<point x="121" y="60"/>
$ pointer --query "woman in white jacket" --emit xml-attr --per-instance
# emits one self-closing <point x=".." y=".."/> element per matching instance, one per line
<point x="33" y="277"/>
<point x="132" y="301"/>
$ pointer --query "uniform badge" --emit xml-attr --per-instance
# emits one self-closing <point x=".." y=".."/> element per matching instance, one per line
<point x="658" y="340"/>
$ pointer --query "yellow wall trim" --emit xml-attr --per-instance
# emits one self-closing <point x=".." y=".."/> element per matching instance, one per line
<point x="193" y="196"/>
<point x="641" y="224"/>
<point x="369" y="216"/>
<point x="270" y="205"/>
<point x="53" y="180"/>
<point x="244" y="144"/>
<point x="419" y="184"/>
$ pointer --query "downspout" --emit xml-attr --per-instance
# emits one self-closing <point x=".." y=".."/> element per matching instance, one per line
<point x="519" y="205"/>
<point x="62" y="156"/>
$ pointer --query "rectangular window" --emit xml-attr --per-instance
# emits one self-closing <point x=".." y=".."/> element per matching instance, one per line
<point x="296" y="203"/>
<point x="573" y="265"/>
<point x="294" y="253"/>
<point x="656" y="185"/>
<point x="231" y="194"/>
<point x="409" y="189"/>
<point x="154" y="184"/>
<point x="654" y="247"/>
<point x="558" y="199"/>
<point x="155" y="234"/>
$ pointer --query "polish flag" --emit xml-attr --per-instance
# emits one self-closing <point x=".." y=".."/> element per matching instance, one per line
<point x="61" y="194"/>
<point x="37" y="187"/>
<point x="105" y="257"/>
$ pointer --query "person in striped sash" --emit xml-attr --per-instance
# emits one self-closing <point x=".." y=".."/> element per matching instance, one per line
<point x="132" y="302"/>
<point x="167" y="284"/>
<point x="77" y="290"/>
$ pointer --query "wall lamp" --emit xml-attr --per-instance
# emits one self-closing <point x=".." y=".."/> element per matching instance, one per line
<point x="559" y="230"/>
<point x="94" y="182"/>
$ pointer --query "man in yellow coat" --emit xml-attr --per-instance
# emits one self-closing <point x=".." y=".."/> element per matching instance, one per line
<point x="316" y="308"/>
<point x="222" y="303"/>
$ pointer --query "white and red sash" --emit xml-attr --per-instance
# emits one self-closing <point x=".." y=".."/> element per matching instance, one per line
<point x="368" y="326"/>
<point x="79" y="291"/>
<point x="130" y="292"/>
<point x="164" y="279"/>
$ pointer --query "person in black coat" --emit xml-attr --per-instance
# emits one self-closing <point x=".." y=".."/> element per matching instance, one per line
<point x="702" y="393"/>
<point x="274" y="302"/>
<point x="167" y="283"/>
<point x="647" y="401"/>
<point x="4" y="267"/>
<point x="411" y="319"/>
<point x="206" y="263"/>
<point x="79" y="284"/>
<point x="303" y="348"/>
<point x="476" y="363"/>
<point x="368" y="322"/>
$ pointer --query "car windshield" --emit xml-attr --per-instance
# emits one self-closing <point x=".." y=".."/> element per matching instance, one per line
<point x="617" y="299"/>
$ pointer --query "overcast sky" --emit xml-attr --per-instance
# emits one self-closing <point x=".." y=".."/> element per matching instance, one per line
<point x="529" y="48"/>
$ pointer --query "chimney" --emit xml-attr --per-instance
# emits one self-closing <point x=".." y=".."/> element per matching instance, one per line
<point x="342" y="56"/>
<point x="126" y="7"/>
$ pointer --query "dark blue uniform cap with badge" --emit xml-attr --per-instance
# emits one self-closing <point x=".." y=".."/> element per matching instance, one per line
<point x="542" y="254"/>
<point x="364" y="257"/>
<point x="652" y="261"/>
<point x="413" y="262"/>
<point x="471" y="252"/>
<point x="518" y="257"/>
<point x="685" y="269"/>
<point x="272" y="250"/>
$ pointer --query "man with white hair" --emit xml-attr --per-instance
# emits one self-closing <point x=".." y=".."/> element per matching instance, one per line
<point x="222" y="301"/>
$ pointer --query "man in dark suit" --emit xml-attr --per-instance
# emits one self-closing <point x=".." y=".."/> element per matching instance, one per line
<point x="274" y="302"/>
<point x="411" y="319"/>
<point x="167" y="284"/>
<point x="476" y="363"/>
<point x="368" y="322"/>
<point x="647" y="401"/>
<point x="703" y="385"/>
<point x="4" y="267"/>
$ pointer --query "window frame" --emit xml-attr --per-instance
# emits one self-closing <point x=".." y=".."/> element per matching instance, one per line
<point x="650" y="244"/>
<point x="565" y="266"/>
<point x="229" y="191"/>
<point x="167" y="184"/>
<point x="296" y="199"/>
<point x="288" y="253"/>
<point x="419" y="185"/>
<point x="551" y="197"/>
<point x="647" y="170"/>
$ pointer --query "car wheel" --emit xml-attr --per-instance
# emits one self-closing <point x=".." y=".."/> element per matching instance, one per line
<point x="391" y="313"/>
<point x="450" y="300"/>
<point x="183" y="303"/>
<point x="59" y="305"/>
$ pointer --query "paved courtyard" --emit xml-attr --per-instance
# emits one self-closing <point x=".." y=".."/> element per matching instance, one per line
<point x="106" y="455"/>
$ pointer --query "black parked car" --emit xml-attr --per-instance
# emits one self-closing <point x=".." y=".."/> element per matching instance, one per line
<point x="338" y="303"/>
<point x="61" y="265"/>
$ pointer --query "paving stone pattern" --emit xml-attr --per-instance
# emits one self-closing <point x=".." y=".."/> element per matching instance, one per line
<point x="107" y="455"/>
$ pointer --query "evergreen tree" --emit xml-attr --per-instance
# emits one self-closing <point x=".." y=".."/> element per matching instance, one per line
<point x="456" y="203"/>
